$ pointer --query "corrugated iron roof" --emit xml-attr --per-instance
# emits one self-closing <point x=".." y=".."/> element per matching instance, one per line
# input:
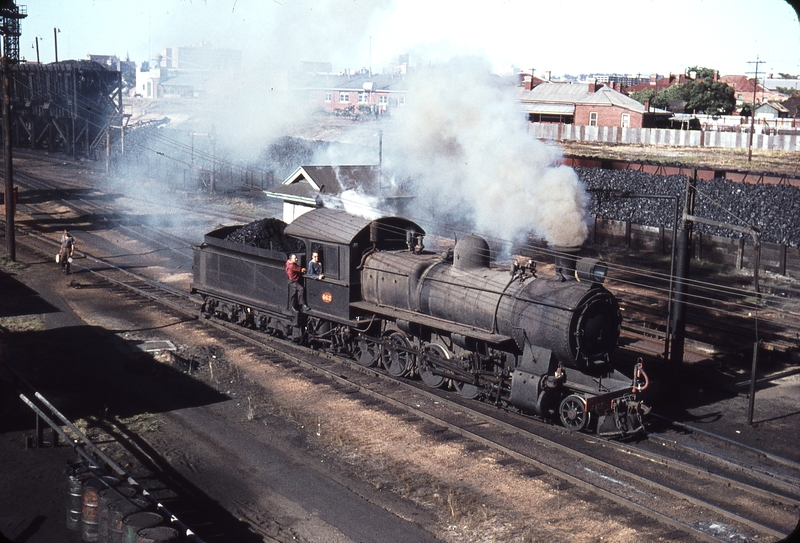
<point x="610" y="97"/>
<point x="577" y="93"/>
<point x="549" y="109"/>
<point x="308" y="181"/>
<point x="302" y="192"/>
<point x="337" y="179"/>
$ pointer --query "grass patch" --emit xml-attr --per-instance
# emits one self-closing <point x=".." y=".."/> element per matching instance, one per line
<point x="141" y="423"/>
<point x="23" y="323"/>
<point x="9" y="264"/>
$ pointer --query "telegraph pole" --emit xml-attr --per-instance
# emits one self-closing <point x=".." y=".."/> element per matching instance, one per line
<point x="11" y="242"/>
<point x="753" y="109"/>
<point x="11" y="15"/>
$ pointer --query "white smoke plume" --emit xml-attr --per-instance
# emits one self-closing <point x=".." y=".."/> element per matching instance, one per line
<point x="462" y="138"/>
<point x="354" y="202"/>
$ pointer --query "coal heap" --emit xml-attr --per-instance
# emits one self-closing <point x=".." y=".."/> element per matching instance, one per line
<point x="772" y="209"/>
<point x="265" y="234"/>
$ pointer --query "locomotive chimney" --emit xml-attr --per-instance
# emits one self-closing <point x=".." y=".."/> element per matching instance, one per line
<point x="566" y="259"/>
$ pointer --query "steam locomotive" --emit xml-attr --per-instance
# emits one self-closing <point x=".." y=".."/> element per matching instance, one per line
<point x="540" y="346"/>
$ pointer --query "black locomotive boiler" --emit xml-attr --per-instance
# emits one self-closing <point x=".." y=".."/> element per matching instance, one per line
<point x="539" y="345"/>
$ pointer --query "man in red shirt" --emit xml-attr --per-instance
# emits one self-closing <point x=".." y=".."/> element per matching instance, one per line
<point x="297" y="292"/>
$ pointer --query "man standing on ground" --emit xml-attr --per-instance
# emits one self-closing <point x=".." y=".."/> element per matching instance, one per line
<point x="66" y="252"/>
<point x="297" y="292"/>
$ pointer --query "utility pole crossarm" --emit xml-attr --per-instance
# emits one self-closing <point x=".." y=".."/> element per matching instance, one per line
<point x="753" y="109"/>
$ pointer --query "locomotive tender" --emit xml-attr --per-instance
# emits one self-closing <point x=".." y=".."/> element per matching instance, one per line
<point x="539" y="345"/>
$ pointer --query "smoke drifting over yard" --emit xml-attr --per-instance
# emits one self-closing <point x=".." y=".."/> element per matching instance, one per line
<point x="462" y="139"/>
<point x="460" y="142"/>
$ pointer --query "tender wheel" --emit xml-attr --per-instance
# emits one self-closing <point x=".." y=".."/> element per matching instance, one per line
<point x="573" y="413"/>
<point x="397" y="361"/>
<point x="467" y="390"/>
<point x="428" y="377"/>
<point x="366" y="353"/>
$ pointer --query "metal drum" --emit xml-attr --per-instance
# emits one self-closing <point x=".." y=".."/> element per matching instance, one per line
<point x="107" y="496"/>
<point x="138" y="521"/>
<point x="75" y="498"/>
<point x="117" y="511"/>
<point x="89" y="505"/>
<point x="158" y="534"/>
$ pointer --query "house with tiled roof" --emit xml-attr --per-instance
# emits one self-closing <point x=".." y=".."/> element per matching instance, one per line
<point x="745" y="87"/>
<point x="359" y="189"/>
<point x="657" y="84"/>
<point x="591" y="104"/>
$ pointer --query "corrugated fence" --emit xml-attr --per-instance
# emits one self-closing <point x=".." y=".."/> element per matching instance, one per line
<point x="662" y="136"/>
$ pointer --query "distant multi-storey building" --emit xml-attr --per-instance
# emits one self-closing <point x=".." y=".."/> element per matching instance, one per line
<point x="183" y="71"/>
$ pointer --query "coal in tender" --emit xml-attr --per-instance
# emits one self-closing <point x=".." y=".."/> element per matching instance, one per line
<point x="265" y="234"/>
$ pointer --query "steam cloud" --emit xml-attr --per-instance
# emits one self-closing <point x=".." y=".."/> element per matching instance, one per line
<point x="462" y="138"/>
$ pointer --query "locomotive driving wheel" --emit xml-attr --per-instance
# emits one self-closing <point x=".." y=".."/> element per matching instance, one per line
<point x="367" y="353"/>
<point x="573" y="413"/>
<point x="467" y="390"/>
<point x="394" y="356"/>
<point x="434" y="351"/>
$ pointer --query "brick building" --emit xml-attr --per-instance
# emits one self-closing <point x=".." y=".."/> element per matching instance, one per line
<point x="361" y="92"/>
<point x="590" y="104"/>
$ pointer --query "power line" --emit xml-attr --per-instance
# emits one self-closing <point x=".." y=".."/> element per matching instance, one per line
<point x="753" y="109"/>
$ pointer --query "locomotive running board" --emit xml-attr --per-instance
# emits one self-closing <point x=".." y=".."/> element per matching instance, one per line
<point x="431" y="322"/>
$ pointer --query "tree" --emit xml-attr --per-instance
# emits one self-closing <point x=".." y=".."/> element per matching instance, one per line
<point x="788" y="90"/>
<point x="713" y="98"/>
<point x="701" y="73"/>
<point x="701" y="95"/>
<point x="643" y="95"/>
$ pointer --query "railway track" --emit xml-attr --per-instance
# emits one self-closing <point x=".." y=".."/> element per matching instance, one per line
<point x="679" y="486"/>
<point x="687" y="490"/>
<point x="722" y="326"/>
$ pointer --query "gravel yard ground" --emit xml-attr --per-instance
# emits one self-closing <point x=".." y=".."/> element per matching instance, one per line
<point x="268" y="454"/>
<point x="260" y="444"/>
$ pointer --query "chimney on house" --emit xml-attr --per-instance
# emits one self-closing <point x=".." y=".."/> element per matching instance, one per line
<point x="716" y="75"/>
<point x="594" y="85"/>
<point x="653" y="79"/>
<point x="527" y="81"/>
<point x="647" y="105"/>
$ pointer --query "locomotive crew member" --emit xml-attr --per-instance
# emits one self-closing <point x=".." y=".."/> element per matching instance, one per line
<point x="297" y="293"/>
<point x="314" y="267"/>
<point x="66" y="252"/>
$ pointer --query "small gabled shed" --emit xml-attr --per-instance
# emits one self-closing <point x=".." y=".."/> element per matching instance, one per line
<point x="306" y="188"/>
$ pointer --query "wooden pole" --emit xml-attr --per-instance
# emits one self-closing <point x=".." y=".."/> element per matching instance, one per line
<point x="11" y="243"/>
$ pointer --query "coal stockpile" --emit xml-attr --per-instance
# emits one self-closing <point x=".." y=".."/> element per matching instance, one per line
<point x="774" y="210"/>
<point x="265" y="234"/>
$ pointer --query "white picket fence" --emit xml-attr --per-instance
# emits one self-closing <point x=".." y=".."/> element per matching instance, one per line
<point x="662" y="136"/>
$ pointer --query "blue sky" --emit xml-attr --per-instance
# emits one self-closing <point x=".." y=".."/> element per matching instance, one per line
<point x="577" y="36"/>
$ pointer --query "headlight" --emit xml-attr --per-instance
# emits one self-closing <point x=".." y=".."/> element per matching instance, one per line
<point x="591" y="269"/>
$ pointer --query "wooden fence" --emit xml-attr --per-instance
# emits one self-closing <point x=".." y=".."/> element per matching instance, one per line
<point x="736" y="252"/>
